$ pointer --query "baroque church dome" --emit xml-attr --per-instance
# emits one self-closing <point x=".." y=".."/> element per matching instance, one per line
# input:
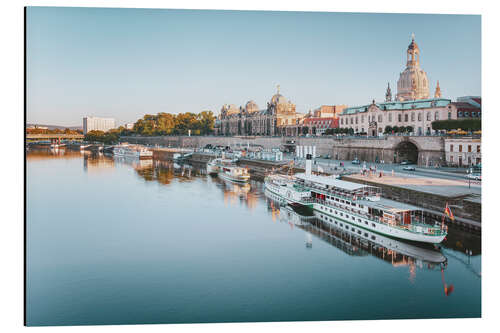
<point x="232" y="109"/>
<point x="413" y="82"/>
<point x="278" y="99"/>
<point x="251" y="106"/>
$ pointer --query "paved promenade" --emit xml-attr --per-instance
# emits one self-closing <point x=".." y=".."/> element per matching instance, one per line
<point x="439" y="186"/>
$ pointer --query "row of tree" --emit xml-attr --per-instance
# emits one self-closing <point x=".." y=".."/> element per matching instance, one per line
<point x="398" y="129"/>
<point x="175" y="124"/>
<point x="453" y="124"/>
<point x="340" y="130"/>
<point x="110" y="137"/>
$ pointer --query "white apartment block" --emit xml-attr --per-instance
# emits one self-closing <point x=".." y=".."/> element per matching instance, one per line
<point x="97" y="124"/>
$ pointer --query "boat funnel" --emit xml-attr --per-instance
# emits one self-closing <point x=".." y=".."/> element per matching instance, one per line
<point x="308" y="164"/>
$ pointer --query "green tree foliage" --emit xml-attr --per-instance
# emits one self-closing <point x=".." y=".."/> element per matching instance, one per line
<point x="345" y="130"/>
<point x="109" y="137"/>
<point x="452" y="124"/>
<point x="167" y="124"/>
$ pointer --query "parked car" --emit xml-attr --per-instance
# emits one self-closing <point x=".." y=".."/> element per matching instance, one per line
<point x="328" y="157"/>
<point x="405" y="162"/>
<point x="474" y="176"/>
<point x="355" y="161"/>
<point x="409" y="168"/>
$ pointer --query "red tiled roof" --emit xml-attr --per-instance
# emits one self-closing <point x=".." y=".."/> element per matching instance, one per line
<point x="463" y="106"/>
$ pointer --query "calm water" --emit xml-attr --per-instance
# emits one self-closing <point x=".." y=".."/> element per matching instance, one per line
<point x="116" y="242"/>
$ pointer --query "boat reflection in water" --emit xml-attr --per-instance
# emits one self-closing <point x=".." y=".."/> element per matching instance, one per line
<point x="135" y="162"/>
<point x="235" y="193"/>
<point x="356" y="241"/>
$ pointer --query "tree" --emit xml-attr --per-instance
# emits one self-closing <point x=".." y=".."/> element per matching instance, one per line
<point x="166" y="124"/>
<point x="388" y="129"/>
<point x="109" y="137"/>
<point x="305" y="130"/>
<point x="207" y="122"/>
<point x="452" y="124"/>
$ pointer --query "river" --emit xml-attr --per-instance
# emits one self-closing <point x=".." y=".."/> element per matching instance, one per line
<point x="114" y="241"/>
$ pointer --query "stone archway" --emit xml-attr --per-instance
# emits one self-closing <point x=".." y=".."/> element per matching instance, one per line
<point x="406" y="151"/>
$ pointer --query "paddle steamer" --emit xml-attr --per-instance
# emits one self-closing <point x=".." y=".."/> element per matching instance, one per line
<point x="357" y="204"/>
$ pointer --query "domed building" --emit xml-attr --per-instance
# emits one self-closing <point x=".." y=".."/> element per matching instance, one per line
<point x="413" y="83"/>
<point x="279" y="105"/>
<point x="251" y="107"/>
<point x="249" y="120"/>
<point x="412" y="108"/>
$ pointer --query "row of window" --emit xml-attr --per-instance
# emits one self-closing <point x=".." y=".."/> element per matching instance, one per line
<point x="469" y="148"/>
<point x="354" y="120"/>
<point x="468" y="114"/>
<point x="460" y="160"/>
<point x="346" y="216"/>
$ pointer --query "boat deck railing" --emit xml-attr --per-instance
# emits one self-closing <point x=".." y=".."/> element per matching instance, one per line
<point x="418" y="228"/>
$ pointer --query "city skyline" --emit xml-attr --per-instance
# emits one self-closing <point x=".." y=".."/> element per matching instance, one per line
<point x="124" y="63"/>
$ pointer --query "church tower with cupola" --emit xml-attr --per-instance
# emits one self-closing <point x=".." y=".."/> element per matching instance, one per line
<point x="388" y="93"/>
<point x="437" y="93"/>
<point x="413" y="83"/>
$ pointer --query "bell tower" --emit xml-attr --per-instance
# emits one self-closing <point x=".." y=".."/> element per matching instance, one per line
<point x="388" y="93"/>
<point x="437" y="93"/>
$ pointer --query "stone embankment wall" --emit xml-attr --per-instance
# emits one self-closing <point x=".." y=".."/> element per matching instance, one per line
<point x="366" y="149"/>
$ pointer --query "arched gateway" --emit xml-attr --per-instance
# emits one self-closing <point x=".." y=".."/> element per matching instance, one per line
<point x="406" y="151"/>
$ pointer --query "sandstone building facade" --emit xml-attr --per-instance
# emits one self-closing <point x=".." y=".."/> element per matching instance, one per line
<point x="411" y="105"/>
<point x="279" y="115"/>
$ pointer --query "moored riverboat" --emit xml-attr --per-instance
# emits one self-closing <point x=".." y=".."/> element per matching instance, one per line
<point x="357" y="204"/>
<point x="234" y="173"/>
<point x="325" y="225"/>
<point x="228" y="170"/>
<point x="139" y="152"/>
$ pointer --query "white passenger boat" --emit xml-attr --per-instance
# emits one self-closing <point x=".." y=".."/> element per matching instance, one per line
<point x="234" y="173"/>
<point x="227" y="169"/>
<point x="334" y="227"/>
<point x="357" y="204"/>
<point x="133" y="151"/>
<point x="213" y="166"/>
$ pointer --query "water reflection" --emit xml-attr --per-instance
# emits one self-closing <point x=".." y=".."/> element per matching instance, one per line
<point x="213" y="269"/>
<point x="93" y="162"/>
<point x="460" y="245"/>
<point x="48" y="153"/>
<point x="357" y="241"/>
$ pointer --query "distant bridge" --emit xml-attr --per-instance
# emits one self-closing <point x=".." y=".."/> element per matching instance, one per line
<point x="54" y="137"/>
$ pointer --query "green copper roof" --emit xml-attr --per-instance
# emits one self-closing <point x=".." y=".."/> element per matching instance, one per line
<point x="406" y="105"/>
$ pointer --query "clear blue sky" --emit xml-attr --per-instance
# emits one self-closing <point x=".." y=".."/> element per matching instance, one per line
<point x="124" y="63"/>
